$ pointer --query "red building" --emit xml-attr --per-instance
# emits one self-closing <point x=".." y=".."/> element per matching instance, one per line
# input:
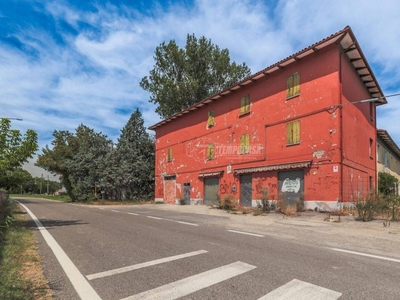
<point x="295" y="130"/>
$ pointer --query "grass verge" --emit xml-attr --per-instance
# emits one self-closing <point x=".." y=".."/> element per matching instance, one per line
<point x="21" y="274"/>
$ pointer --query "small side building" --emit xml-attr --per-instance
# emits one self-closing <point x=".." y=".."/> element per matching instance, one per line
<point x="388" y="155"/>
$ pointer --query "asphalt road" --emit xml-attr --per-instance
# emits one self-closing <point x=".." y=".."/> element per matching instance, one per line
<point x="135" y="253"/>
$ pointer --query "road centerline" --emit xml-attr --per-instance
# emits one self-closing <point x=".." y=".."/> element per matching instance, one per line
<point x="187" y="223"/>
<point x="366" y="254"/>
<point x="246" y="233"/>
<point x="78" y="281"/>
<point x="156" y="218"/>
<point x="189" y="285"/>
<point x="144" y="265"/>
<point x="133" y="214"/>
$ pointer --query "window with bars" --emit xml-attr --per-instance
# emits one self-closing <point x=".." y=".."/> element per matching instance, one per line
<point x="293" y="85"/>
<point x="293" y="133"/>
<point x="245" y="105"/>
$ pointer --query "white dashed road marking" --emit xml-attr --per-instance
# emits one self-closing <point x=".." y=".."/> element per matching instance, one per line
<point x="247" y="233"/>
<point x="133" y="214"/>
<point x="187" y="223"/>
<point x="367" y="255"/>
<point x="156" y="218"/>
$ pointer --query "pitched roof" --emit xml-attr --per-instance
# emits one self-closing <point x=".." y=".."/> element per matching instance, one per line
<point x="389" y="142"/>
<point x="345" y="38"/>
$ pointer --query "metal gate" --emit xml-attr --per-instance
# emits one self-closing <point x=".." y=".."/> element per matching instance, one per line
<point x="186" y="192"/>
<point x="291" y="186"/>
<point x="211" y="195"/>
<point x="246" y="190"/>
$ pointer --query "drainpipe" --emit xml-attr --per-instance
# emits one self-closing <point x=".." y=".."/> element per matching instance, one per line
<point x="341" y="129"/>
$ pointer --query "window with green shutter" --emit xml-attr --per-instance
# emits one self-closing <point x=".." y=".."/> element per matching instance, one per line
<point x="245" y="144"/>
<point x="293" y="133"/>
<point x="169" y="157"/>
<point x="293" y="85"/>
<point x="210" y="151"/>
<point x="245" y="105"/>
<point x="210" y="120"/>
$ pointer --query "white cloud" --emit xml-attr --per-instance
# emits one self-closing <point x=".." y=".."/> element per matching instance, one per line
<point x="97" y="71"/>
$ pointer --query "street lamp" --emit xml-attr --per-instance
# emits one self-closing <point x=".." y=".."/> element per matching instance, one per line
<point x="17" y="119"/>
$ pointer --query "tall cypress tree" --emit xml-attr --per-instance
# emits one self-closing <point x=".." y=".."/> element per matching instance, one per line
<point x="131" y="164"/>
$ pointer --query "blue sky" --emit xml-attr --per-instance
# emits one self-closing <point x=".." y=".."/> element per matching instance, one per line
<point x="66" y="62"/>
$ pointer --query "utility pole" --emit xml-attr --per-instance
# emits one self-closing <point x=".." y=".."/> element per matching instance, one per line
<point x="41" y="182"/>
<point x="47" y="184"/>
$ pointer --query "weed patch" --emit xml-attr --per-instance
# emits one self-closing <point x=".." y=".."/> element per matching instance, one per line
<point x="21" y="275"/>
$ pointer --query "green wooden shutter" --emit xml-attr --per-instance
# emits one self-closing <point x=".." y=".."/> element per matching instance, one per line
<point x="296" y="132"/>
<point x="242" y="105"/>
<point x="289" y="87"/>
<point x="296" y="84"/>
<point x="289" y="133"/>
<point x="210" y="120"/>
<point x="247" y="142"/>
<point x="210" y="151"/>
<point x="169" y="154"/>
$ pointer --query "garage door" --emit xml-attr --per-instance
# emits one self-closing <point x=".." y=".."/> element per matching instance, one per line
<point x="291" y="185"/>
<point x="246" y="190"/>
<point x="211" y="191"/>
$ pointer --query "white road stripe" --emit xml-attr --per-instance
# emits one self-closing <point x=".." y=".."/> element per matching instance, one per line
<point x="248" y="233"/>
<point x="115" y="210"/>
<point x="367" y="255"/>
<point x="157" y="218"/>
<point x="80" y="284"/>
<point x="301" y="290"/>
<point x="133" y="214"/>
<point x="194" y="283"/>
<point x="187" y="223"/>
<point x="144" y="265"/>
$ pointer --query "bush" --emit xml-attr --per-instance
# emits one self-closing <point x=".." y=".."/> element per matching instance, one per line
<point x="6" y="209"/>
<point x="228" y="202"/>
<point x="288" y="209"/>
<point x="367" y="208"/>
<point x="265" y="205"/>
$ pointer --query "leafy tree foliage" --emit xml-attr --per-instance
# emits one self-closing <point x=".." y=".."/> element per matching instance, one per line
<point x="15" y="150"/>
<point x="86" y="159"/>
<point x="182" y="77"/>
<point x="128" y="171"/>
<point x="76" y="157"/>
<point x="387" y="183"/>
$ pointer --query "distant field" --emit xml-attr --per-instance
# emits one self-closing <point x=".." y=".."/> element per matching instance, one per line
<point x="62" y="198"/>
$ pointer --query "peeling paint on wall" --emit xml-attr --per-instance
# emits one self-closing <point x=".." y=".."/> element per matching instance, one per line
<point x="319" y="153"/>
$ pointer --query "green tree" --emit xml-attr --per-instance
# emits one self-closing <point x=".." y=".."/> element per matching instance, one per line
<point x="128" y="171"/>
<point x="15" y="150"/>
<point x="76" y="157"/>
<point x="387" y="183"/>
<point x="182" y="77"/>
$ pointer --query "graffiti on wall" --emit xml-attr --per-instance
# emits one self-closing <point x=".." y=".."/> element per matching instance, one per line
<point x="228" y="188"/>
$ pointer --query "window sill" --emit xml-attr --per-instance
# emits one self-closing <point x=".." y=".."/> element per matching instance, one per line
<point x="290" y="145"/>
<point x="244" y="114"/>
<point x="291" y="97"/>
